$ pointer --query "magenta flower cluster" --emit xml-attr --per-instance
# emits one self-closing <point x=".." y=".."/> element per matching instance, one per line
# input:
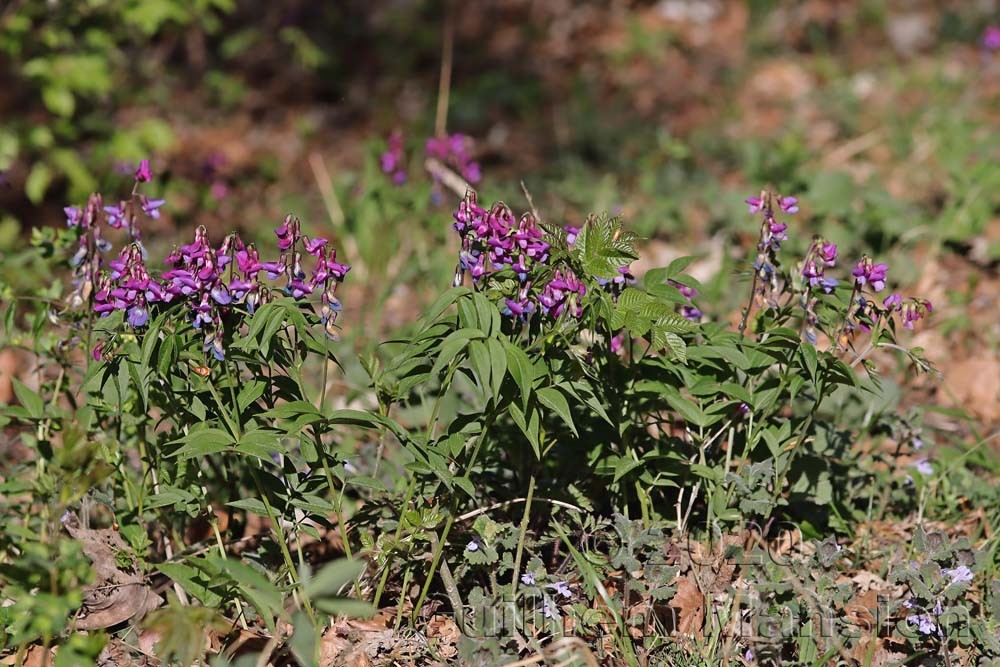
<point x="869" y="277"/>
<point x="213" y="283"/>
<point x="990" y="40"/>
<point x="455" y="150"/>
<point x="393" y="160"/>
<point x="821" y="256"/>
<point x="772" y="234"/>
<point x="495" y="240"/>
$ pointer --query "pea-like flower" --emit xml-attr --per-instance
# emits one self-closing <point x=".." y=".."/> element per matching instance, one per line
<point x="868" y="273"/>
<point x="143" y="174"/>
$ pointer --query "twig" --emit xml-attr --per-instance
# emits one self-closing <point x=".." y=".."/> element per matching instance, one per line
<point x="531" y="202"/>
<point x="444" y="82"/>
<point x="324" y="183"/>
<point x="484" y="510"/>
<point x="449" y="178"/>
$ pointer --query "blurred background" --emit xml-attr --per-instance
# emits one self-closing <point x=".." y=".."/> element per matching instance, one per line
<point x="881" y="116"/>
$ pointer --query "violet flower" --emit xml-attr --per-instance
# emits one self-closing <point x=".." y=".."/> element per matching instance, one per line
<point x="561" y="588"/>
<point x="959" y="575"/>
<point x="990" y="40"/>
<point x="143" y="173"/>
<point x="392" y="160"/>
<point x="151" y="207"/>
<point x="867" y="273"/>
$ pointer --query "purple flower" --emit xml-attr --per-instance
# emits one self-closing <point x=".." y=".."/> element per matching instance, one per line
<point x="828" y="253"/>
<point x="691" y="313"/>
<point x="914" y="310"/>
<point x="789" y="205"/>
<point x="754" y="204"/>
<point x="138" y="316"/>
<point x="221" y="295"/>
<point x="688" y="292"/>
<point x="924" y="622"/>
<point x="73" y="216"/>
<point x="571" y="234"/>
<point x="561" y="588"/>
<point x="151" y="207"/>
<point x="473" y="545"/>
<point x="392" y="160"/>
<point x="923" y="466"/>
<point x="959" y="575"/>
<point x="456" y="151"/>
<point x="991" y="39"/>
<point x="528" y="578"/>
<point x="116" y="215"/>
<point x="313" y="246"/>
<point x="143" y="174"/>
<point x="828" y="285"/>
<point x="549" y="609"/>
<point x="867" y="273"/>
<point x="892" y="302"/>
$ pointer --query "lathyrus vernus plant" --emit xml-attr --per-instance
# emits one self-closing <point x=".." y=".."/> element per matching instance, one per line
<point x="187" y="395"/>
<point x="578" y="385"/>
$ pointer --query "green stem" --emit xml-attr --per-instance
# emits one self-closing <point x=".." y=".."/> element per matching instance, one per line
<point x="438" y="551"/>
<point x="282" y="543"/>
<point x="399" y="531"/>
<point x="222" y="552"/>
<point x="521" y="535"/>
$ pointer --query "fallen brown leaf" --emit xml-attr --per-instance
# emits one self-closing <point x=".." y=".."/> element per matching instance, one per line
<point x="118" y="593"/>
<point x="690" y="605"/>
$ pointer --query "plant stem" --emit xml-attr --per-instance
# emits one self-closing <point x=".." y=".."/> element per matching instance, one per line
<point x="438" y="551"/>
<point x="520" y="538"/>
<point x="282" y="543"/>
<point x="222" y="552"/>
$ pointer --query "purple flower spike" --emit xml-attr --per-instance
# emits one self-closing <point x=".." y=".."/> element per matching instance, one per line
<point x="143" y="173"/>
<point x="392" y="161"/>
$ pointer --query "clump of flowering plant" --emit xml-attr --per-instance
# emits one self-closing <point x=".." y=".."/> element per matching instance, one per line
<point x="216" y="287"/>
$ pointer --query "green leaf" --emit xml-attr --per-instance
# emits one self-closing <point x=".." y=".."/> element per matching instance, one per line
<point x="556" y="401"/>
<point x="37" y="182"/>
<point x="193" y="581"/>
<point x="498" y="365"/>
<point x="690" y="412"/>
<point x="520" y="369"/>
<point x="59" y="100"/>
<point x="453" y="345"/>
<point x="202" y="443"/>
<point x="602" y="247"/>
<point x="332" y="578"/>
<point x="250" y="392"/>
<point x="31" y="401"/>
